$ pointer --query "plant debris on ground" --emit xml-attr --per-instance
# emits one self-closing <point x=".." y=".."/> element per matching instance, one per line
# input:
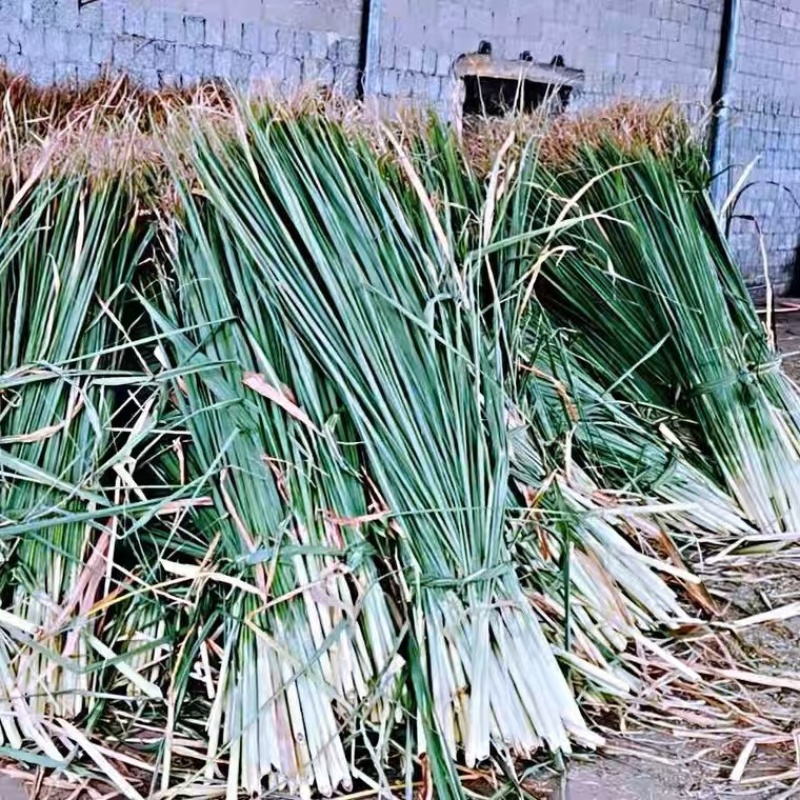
<point x="345" y="455"/>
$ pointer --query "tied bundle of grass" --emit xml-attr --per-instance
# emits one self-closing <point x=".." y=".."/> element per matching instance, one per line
<point x="306" y="642"/>
<point x="601" y="566"/>
<point x="592" y="541"/>
<point x="650" y="294"/>
<point x="68" y="248"/>
<point x="621" y="533"/>
<point x="622" y="451"/>
<point x="379" y="304"/>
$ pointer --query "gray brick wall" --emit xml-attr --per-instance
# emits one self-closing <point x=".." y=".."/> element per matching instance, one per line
<point x="628" y="48"/>
<point x="180" y="42"/>
<point x="643" y="48"/>
<point x="766" y="125"/>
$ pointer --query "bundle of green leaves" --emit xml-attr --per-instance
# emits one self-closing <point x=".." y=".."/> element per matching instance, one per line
<point x="68" y="249"/>
<point x="661" y="316"/>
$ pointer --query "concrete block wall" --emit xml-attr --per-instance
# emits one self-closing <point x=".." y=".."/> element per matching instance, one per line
<point x="766" y="125"/>
<point x="642" y="48"/>
<point x="628" y="48"/>
<point x="180" y="42"/>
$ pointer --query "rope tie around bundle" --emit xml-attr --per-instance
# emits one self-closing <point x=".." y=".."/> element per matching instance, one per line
<point x="746" y="377"/>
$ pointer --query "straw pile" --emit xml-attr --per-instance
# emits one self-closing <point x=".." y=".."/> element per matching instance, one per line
<point x="347" y="461"/>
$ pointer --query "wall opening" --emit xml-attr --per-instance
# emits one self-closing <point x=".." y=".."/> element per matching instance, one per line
<point x="495" y="87"/>
<point x="496" y="97"/>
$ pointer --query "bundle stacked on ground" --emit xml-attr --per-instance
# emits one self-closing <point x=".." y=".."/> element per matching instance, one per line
<point x="367" y="455"/>
<point x="661" y="313"/>
<point x="67" y="246"/>
<point x="393" y="326"/>
<point x="307" y="633"/>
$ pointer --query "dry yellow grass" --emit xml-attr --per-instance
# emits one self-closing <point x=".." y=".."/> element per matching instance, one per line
<point x="112" y="125"/>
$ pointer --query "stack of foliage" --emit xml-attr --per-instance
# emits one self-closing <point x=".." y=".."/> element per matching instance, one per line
<point x="349" y="452"/>
<point x="663" y="315"/>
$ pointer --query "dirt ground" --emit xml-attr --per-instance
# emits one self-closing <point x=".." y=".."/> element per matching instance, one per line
<point x="646" y="765"/>
<point x="669" y="768"/>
